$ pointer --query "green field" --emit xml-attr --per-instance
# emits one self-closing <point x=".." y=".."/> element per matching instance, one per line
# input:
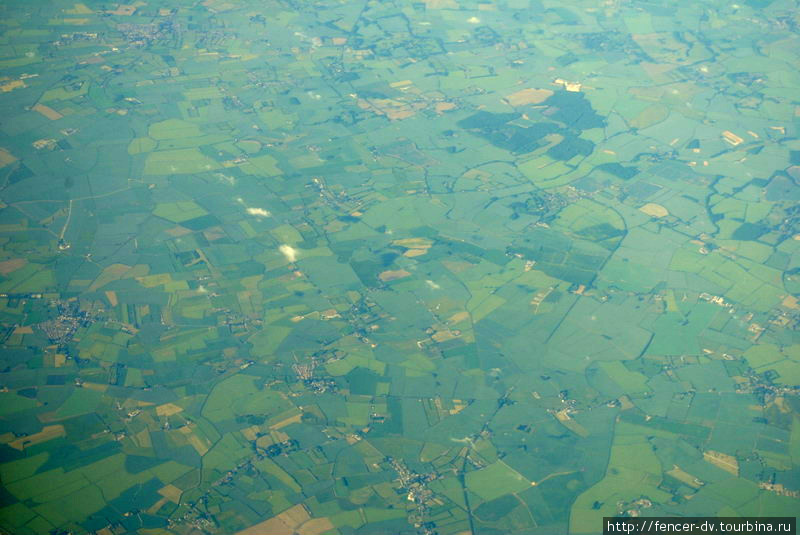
<point x="444" y="267"/>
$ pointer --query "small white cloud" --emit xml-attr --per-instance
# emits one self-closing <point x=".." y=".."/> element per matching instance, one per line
<point x="474" y="20"/>
<point x="289" y="252"/>
<point x="259" y="211"/>
<point x="226" y="179"/>
<point x="433" y="285"/>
